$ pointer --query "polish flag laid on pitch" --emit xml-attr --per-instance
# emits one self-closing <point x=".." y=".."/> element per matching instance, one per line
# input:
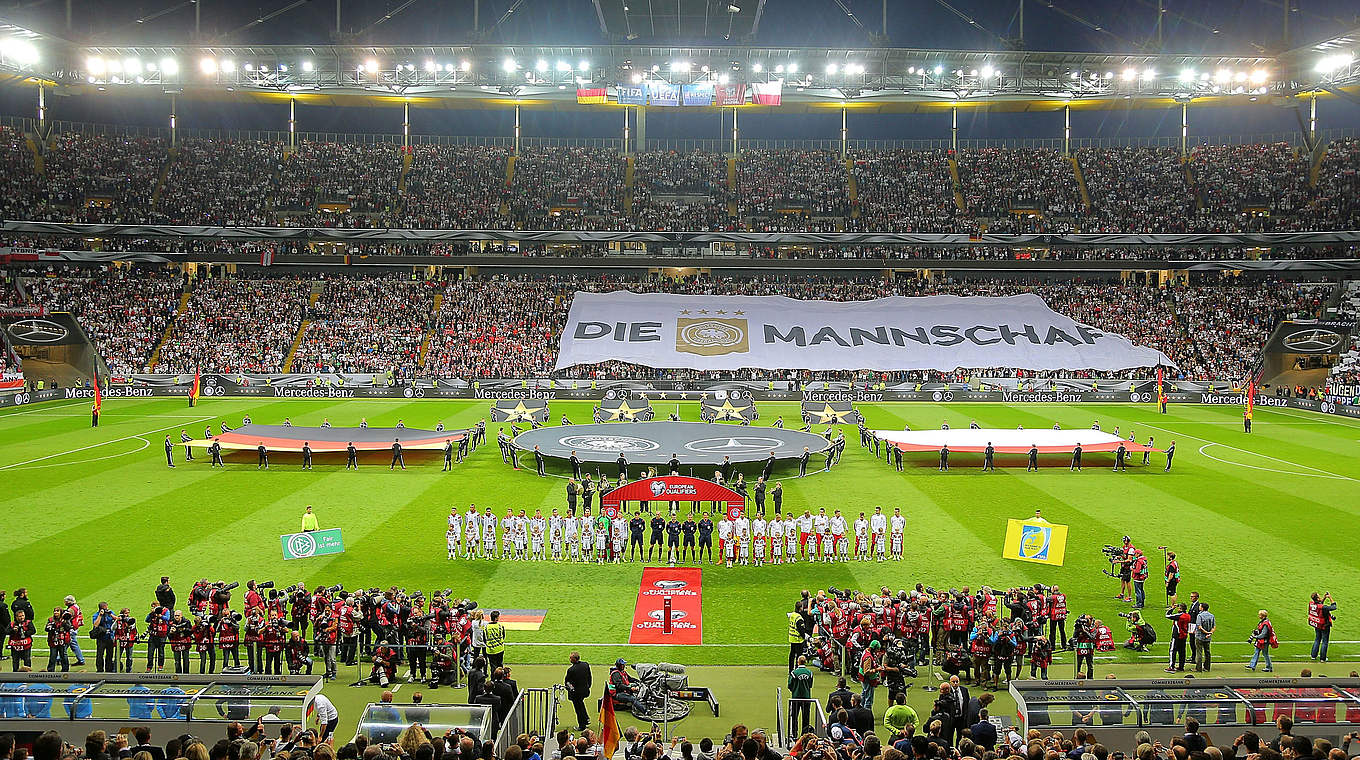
<point x="767" y="93"/>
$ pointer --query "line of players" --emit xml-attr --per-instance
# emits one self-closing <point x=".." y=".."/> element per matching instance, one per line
<point x="741" y="540"/>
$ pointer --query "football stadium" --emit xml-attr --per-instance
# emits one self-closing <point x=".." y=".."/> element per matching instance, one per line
<point x="679" y="380"/>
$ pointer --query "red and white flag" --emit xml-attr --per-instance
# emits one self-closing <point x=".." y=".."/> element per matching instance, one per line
<point x="767" y="93"/>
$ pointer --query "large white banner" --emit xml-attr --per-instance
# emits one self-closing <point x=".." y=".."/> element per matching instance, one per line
<point x="774" y="332"/>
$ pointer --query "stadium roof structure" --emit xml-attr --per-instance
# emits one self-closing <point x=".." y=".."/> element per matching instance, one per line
<point x="499" y="75"/>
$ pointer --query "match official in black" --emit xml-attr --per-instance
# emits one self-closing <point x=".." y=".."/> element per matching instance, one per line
<point x="768" y="468"/>
<point x="1170" y="452"/>
<point x="1033" y="459"/>
<point x="539" y="462"/>
<point x="802" y="462"/>
<point x="674" y="464"/>
<point x="396" y="455"/>
<point x="463" y="447"/>
<point x="216" y="450"/>
<point x="306" y="455"/>
<point x="351" y="456"/>
<point x="184" y="438"/>
<point x="169" y="452"/>
<point x="944" y="459"/>
<point x="448" y="455"/>
<point x="264" y="456"/>
<point x="1147" y="451"/>
<point x="988" y="458"/>
<point x="636" y="527"/>
<point x="575" y="466"/>
<point x="1119" y="455"/>
<point x="1076" y="459"/>
<point x="623" y="466"/>
<point x="777" y="496"/>
<point x="896" y="452"/>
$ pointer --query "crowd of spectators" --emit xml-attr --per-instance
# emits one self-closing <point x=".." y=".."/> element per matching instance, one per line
<point x="366" y="324"/>
<point x="903" y="191"/>
<point x="996" y="180"/>
<point x="455" y="187"/>
<point x="584" y="181"/>
<point x="235" y="324"/>
<point x="1337" y="202"/>
<point x="810" y="182"/>
<point x="102" y="178"/>
<point x="123" y="311"/>
<point x="362" y="176"/>
<point x="681" y="191"/>
<point x="1228" y="322"/>
<point x="219" y="182"/>
<point x="1251" y="186"/>
<point x="18" y="182"/>
<point x="1136" y="189"/>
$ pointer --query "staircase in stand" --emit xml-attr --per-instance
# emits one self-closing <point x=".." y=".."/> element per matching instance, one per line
<point x="180" y="311"/>
<point x="317" y="288"/>
<point x="1081" y="183"/>
<point x="429" y="333"/>
<point x="958" y="186"/>
<point x="628" y="185"/>
<point x="732" y="185"/>
<point x="509" y="180"/>
<point x="852" y="188"/>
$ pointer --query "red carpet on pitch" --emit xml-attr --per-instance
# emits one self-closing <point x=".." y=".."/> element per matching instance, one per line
<point x="684" y="587"/>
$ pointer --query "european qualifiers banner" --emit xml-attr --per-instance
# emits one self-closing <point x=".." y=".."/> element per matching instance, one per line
<point x="940" y="333"/>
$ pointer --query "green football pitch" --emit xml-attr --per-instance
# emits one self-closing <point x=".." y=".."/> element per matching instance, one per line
<point x="1258" y="521"/>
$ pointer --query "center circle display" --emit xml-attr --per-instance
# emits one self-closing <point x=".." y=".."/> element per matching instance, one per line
<point x="619" y="444"/>
<point x="654" y="443"/>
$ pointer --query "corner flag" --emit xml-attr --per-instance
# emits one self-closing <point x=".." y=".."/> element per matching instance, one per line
<point x="98" y="396"/>
<point x="195" y="388"/>
<point x="609" y="725"/>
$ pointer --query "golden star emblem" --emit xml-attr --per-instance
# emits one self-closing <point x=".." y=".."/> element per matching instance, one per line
<point x="826" y="416"/>
<point x="625" y="411"/>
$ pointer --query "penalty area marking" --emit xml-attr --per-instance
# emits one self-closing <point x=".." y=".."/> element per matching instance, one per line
<point x="1318" y="474"/>
<point x="145" y="445"/>
<point x="40" y="409"/>
<point x="93" y="446"/>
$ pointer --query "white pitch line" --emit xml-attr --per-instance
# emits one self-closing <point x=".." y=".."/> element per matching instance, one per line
<point x="1269" y="469"/>
<point x="40" y="409"/>
<point x="1251" y="453"/>
<point x="94" y="445"/>
<point x="1330" y="419"/>
<point x="145" y="445"/>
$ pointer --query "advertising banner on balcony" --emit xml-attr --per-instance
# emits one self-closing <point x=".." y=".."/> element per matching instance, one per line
<point x="730" y="95"/>
<point x="663" y="94"/>
<point x="631" y="94"/>
<point x="697" y="94"/>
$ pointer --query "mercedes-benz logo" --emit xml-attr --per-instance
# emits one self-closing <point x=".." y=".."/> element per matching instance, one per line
<point x="603" y="442"/>
<point x="38" y="331"/>
<point x="1313" y="341"/>
<point x="670" y="585"/>
<point x="734" y="444"/>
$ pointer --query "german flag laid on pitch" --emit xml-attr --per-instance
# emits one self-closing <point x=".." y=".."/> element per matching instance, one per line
<point x="593" y="95"/>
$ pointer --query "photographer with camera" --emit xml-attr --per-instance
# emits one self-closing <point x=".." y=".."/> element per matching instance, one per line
<point x="1263" y="640"/>
<point x="1320" y="619"/>
<point x="1180" y="634"/>
<point x="325" y="633"/>
<point x="19" y="637"/>
<point x="228" y="631"/>
<point x="1084" y="645"/>
<point x="254" y="640"/>
<point x="157" y="634"/>
<point x="59" y="633"/>
<point x="181" y="635"/>
<point x="385" y="659"/>
<point x="203" y="633"/>
<point x="1139" y="573"/>
<point x="273" y="637"/>
<point x="125" y="636"/>
<point x="296" y="654"/>
<point x="101" y="630"/>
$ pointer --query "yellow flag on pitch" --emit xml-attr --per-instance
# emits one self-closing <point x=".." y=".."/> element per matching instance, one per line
<point x="1035" y="541"/>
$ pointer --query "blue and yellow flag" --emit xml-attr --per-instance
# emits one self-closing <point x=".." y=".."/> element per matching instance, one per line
<point x="1035" y="541"/>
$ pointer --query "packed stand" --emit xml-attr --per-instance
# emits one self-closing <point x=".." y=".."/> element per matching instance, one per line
<point x="123" y="311"/>
<point x="455" y="187"/>
<point x="1229" y="323"/>
<point x="996" y="179"/>
<point x="813" y="182"/>
<point x="102" y="178"/>
<point x="675" y="191"/>
<point x="1231" y="180"/>
<point x="366" y="324"/>
<point x="1337" y="205"/>
<point x="18" y="182"/>
<point x="236" y="324"/>
<point x="362" y="176"/>
<point x="903" y="191"/>
<point x="1136" y="189"/>
<point x="585" y="182"/>
<point x="220" y="182"/>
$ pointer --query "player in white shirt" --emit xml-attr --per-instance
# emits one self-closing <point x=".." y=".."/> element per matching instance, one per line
<point x="471" y="534"/>
<point x="879" y="542"/>
<point x="620" y="538"/>
<point x="488" y="535"/>
<point x="472" y="516"/>
<point x="455" y="519"/>
<point x="898" y="526"/>
<point x="555" y="535"/>
<point x="878" y="522"/>
<point x="758" y="550"/>
<point x="569" y="532"/>
<point x="743" y="540"/>
<point x="520" y="540"/>
<point x="805" y="534"/>
<point x="776" y="542"/>
<point x="820" y="523"/>
<point x="536" y="530"/>
<point x="508" y="534"/>
<point x="587" y="538"/>
<point x="861" y="537"/>
<point x="455" y="532"/>
<point x="791" y="539"/>
<point x="452" y="538"/>
<point x="724" y="534"/>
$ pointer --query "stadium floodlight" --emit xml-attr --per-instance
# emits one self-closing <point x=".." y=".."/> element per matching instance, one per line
<point x="207" y="66"/>
<point x="170" y="66"/>
<point x="371" y="65"/>
<point x="308" y="66"/>
<point x="987" y="72"/>
<point x="1149" y="73"/>
<point x="1333" y="63"/>
<point x="792" y="68"/>
<point x="94" y="65"/>
<point x="1222" y="75"/>
<point x="1074" y="74"/>
<point x="972" y="72"/>
<point x="757" y="67"/>
<point x="1129" y="75"/>
<point x="1259" y="76"/>
<point x="19" y="50"/>
<point x="132" y="65"/>
<point x="541" y="66"/>
<point x="1187" y="75"/>
<point x="722" y="79"/>
<point x="779" y="69"/>
<point x="583" y="65"/>
<point x="249" y="67"/>
<point x="1109" y="75"/>
<point x="431" y="66"/>
<point x="563" y="66"/>
<point x="831" y="68"/>
<point x="911" y="69"/>
<point x="465" y="65"/>
<point x="509" y="65"/>
<point x="637" y="78"/>
<point x="283" y="68"/>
